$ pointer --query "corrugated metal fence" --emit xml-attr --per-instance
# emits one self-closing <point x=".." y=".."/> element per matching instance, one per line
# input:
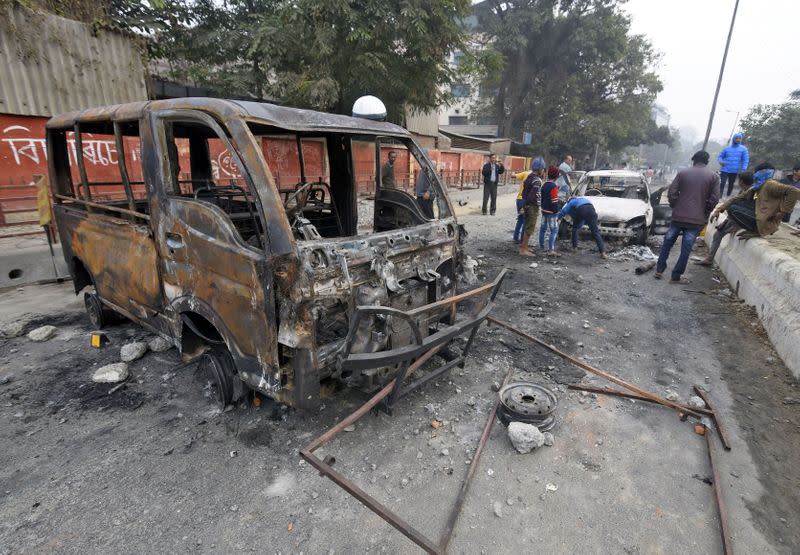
<point x="51" y="65"/>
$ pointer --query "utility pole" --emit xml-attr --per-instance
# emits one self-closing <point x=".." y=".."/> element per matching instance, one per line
<point x="719" y="81"/>
<point x="596" y="148"/>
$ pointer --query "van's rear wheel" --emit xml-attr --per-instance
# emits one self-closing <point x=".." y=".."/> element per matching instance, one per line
<point x="217" y="364"/>
<point x="99" y="314"/>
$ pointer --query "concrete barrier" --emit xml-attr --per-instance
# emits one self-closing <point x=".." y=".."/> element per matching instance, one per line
<point x="27" y="260"/>
<point x="765" y="272"/>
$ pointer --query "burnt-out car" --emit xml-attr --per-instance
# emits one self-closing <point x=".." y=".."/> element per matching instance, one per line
<point x="231" y="228"/>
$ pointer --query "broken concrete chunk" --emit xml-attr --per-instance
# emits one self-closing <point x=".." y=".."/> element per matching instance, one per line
<point x="549" y="440"/>
<point x="12" y="329"/>
<point x="42" y="334"/>
<point x="158" y="344"/>
<point x="672" y="396"/>
<point x="495" y="386"/>
<point x="525" y="437"/>
<point x="111" y="373"/>
<point x="498" y="509"/>
<point x="132" y="351"/>
<point x="696" y="402"/>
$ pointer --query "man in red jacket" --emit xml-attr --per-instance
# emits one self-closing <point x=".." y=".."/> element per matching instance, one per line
<point x="692" y="195"/>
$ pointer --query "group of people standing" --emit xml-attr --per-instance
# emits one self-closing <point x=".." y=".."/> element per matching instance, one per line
<point x="757" y="211"/>
<point x="539" y="192"/>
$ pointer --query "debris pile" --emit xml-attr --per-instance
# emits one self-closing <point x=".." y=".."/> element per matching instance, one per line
<point x="634" y="252"/>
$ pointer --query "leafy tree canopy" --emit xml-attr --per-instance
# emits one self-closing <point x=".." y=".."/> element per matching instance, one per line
<point x="320" y="54"/>
<point x="571" y="73"/>
<point x="770" y="132"/>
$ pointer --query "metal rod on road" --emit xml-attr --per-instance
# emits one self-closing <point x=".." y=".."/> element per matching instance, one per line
<point x="719" y="80"/>
<point x="720" y="430"/>
<point x="727" y="548"/>
<point x="462" y="494"/>
<point x="607" y="391"/>
<point x="644" y="393"/>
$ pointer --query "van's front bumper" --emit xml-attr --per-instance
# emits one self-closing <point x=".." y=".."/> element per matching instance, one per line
<point x="417" y="319"/>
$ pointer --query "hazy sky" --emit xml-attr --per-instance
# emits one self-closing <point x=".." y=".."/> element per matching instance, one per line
<point x="763" y="64"/>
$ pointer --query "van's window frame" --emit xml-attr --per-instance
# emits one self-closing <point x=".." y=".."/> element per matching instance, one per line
<point x="82" y="194"/>
<point x="193" y="116"/>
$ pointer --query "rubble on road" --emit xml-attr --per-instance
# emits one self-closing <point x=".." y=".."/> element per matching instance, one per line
<point x="111" y="373"/>
<point x="42" y="334"/>
<point x="525" y="437"/>
<point x="634" y="252"/>
<point x="498" y="509"/>
<point x="158" y="344"/>
<point x="12" y="329"/>
<point x="132" y="351"/>
<point x="696" y="402"/>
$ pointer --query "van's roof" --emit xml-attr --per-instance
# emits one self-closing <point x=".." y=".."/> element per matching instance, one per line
<point x="293" y="119"/>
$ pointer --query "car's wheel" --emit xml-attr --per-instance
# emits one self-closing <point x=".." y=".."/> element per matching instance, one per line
<point x="564" y="230"/>
<point x="217" y="365"/>
<point x="99" y="314"/>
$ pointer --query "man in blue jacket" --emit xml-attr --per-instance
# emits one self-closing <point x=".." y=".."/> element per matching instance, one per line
<point x="732" y="161"/>
<point x="581" y="210"/>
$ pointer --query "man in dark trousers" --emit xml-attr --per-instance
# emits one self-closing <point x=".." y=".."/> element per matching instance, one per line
<point x="582" y="211"/>
<point x="492" y="171"/>
<point x="692" y="195"/>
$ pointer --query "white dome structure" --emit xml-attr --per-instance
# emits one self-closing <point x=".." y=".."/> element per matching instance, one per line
<point x="369" y="107"/>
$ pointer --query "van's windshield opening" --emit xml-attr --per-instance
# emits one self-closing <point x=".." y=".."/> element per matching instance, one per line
<point x="340" y="185"/>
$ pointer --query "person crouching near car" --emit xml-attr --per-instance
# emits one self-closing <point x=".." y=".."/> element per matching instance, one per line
<point x="581" y="210"/>
<point x="549" y="209"/>
<point x="530" y="197"/>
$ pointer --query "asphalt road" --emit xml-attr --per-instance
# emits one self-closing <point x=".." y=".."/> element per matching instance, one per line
<point x="153" y="467"/>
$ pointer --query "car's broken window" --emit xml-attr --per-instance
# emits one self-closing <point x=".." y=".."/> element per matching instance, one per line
<point x="616" y="186"/>
<point x="203" y="167"/>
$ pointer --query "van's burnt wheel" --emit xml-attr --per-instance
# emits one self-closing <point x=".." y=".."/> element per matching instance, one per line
<point x="217" y="365"/>
<point x="99" y="315"/>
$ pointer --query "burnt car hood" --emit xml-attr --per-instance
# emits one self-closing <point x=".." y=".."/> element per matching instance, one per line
<point x="610" y="209"/>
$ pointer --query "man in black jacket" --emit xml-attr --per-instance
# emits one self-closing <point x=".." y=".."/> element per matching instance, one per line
<point x="491" y="175"/>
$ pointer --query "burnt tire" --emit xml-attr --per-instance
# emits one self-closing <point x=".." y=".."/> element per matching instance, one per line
<point x="564" y="230"/>
<point x="218" y="367"/>
<point x="99" y="315"/>
<point x="641" y="235"/>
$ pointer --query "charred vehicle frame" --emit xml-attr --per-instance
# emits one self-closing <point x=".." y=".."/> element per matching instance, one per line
<point x="272" y="288"/>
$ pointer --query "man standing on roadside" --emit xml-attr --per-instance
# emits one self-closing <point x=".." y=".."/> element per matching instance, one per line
<point x="387" y="171"/>
<point x="492" y="171"/>
<point x="692" y="196"/>
<point x="564" y="184"/>
<point x="732" y="161"/>
<point x="425" y="191"/>
<point x="531" y="198"/>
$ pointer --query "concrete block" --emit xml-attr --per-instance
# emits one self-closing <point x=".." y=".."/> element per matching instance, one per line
<point x="30" y="264"/>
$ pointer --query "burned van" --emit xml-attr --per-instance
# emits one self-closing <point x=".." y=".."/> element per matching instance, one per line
<point x="233" y="229"/>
